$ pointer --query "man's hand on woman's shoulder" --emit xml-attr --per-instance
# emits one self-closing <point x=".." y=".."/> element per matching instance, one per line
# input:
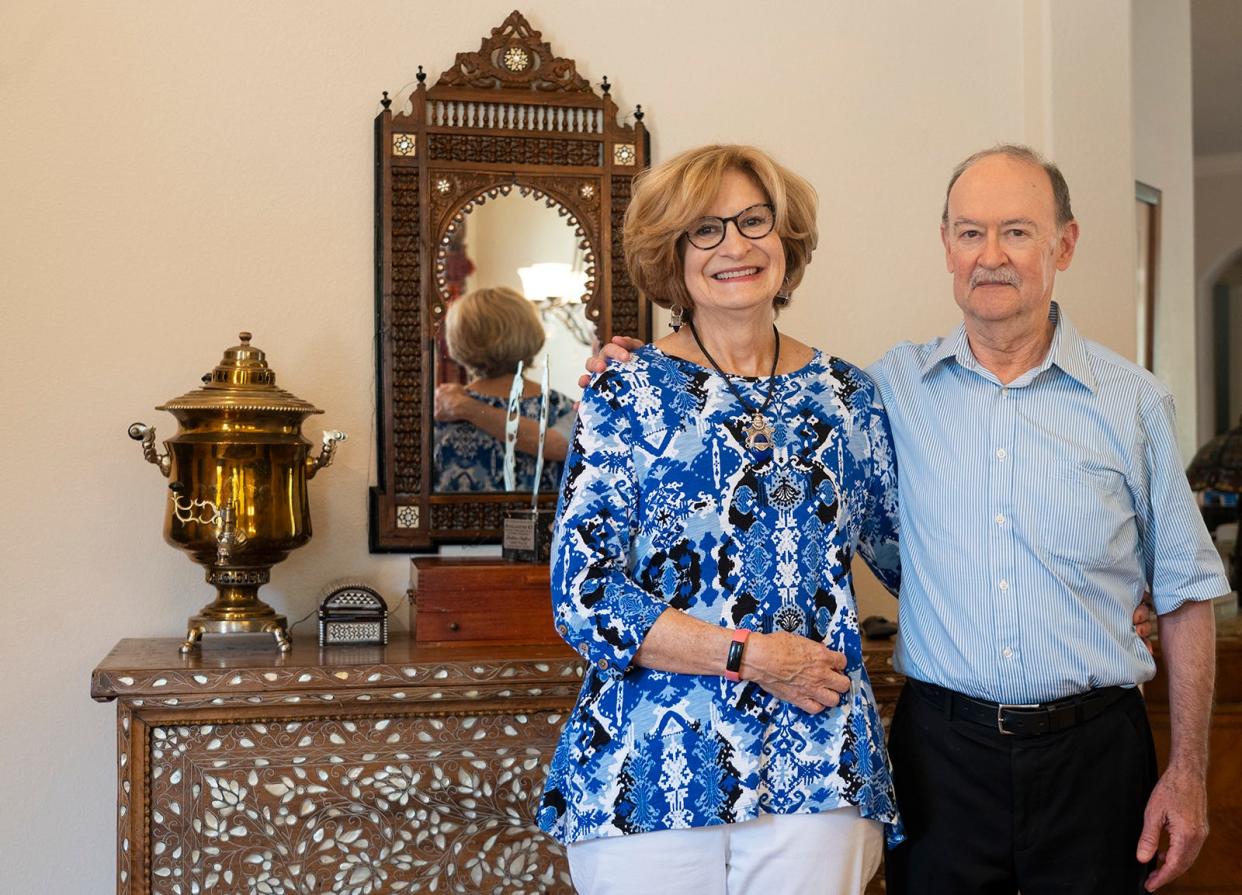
<point x="618" y="349"/>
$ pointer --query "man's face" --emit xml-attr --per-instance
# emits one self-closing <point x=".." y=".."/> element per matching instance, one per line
<point x="1002" y="243"/>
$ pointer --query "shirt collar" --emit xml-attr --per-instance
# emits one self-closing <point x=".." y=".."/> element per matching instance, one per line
<point x="1068" y="351"/>
<point x="955" y="345"/>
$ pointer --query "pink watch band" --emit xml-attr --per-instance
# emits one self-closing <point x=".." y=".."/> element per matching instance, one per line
<point x="733" y="664"/>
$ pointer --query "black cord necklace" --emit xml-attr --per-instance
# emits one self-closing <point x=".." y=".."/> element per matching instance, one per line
<point x="758" y="431"/>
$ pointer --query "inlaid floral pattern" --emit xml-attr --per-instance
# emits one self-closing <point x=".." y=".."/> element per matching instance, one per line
<point x="312" y="678"/>
<point x="124" y="792"/>
<point x="404" y="144"/>
<point x="250" y="843"/>
<point x="516" y="59"/>
<point x="353" y="806"/>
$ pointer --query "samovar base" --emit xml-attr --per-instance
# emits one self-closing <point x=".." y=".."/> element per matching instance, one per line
<point x="276" y="625"/>
<point x="237" y="609"/>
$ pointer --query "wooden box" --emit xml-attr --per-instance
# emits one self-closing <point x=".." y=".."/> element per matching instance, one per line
<point x="480" y="600"/>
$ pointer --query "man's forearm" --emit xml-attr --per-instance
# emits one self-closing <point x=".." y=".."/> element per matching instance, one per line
<point x="1188" y="644"/>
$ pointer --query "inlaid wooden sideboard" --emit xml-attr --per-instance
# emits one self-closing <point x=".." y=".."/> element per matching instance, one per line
<point x="406" y="768"/>
<point x="351" y="770"/>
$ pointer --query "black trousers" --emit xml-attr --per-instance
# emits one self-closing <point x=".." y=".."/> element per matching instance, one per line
<point x="990" y="814"/>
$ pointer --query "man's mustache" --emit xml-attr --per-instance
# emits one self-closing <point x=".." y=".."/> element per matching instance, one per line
<point x="1003" y="276"/>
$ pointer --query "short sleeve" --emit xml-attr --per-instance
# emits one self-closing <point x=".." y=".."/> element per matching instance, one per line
<point x="1179" y="558"/>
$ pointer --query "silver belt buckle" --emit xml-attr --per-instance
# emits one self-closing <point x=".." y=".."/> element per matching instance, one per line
<point x="1000" y="708"/>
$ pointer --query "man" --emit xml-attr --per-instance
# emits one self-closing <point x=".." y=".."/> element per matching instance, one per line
<point x="1041" y="492"/>
<point x="1039" y="481"/>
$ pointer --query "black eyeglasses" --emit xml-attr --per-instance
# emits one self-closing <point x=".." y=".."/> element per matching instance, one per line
<point x="755" y="222"/>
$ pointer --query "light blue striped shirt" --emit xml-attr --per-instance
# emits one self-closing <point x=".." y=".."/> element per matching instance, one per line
<point x="1034" y="515"/>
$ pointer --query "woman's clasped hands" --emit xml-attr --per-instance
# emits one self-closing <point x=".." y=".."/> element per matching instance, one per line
<point x="796" y="669"/>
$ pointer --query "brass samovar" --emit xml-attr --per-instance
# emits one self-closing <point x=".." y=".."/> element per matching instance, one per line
<point x="237" y="497"/>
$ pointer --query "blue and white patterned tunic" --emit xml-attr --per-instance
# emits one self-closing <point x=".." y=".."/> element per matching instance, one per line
<point x="663" y="506"/>
<point x="469" y="459"/>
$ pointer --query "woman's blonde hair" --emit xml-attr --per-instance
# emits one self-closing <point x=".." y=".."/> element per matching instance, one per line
<point x="669" y="197"/>
<point x="489" y="330"/>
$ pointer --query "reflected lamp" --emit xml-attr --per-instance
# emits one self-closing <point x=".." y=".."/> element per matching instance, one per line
<point x="548" y="280"/>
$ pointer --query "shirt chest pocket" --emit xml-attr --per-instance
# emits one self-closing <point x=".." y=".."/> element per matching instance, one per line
<point x="1086" y="515"/>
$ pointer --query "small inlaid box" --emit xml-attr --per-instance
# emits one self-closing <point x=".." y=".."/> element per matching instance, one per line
<point x="353" y="614"/>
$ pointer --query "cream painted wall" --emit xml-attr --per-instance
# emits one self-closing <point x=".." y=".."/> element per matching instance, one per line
<point x="1218" y="241"/>
<point x="1088" y="133"/>
<point x="174" y="173"/>
<point x="1164" y="158"/>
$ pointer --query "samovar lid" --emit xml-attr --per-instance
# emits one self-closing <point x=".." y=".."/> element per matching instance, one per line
<point x="241" y="381"/>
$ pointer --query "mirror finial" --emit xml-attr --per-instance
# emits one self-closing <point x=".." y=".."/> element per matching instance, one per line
<point x="638" y="112"/>
<point x="385" y="102"/>
<point x="421" y="76"/>
<point x="605" y="86"/>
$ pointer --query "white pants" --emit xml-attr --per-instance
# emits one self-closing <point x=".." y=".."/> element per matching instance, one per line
<point x="833" y="853"/>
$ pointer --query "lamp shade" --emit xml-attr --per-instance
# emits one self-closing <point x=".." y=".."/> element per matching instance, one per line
<point x="551" y="279"/>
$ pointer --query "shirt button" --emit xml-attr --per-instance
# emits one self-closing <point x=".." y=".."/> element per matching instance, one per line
<point x="562" y="629"/>
<point x="602" y="663"/>
<point x="1007" y="653"/>
<point x="1004" y="585"/>
<point x="1000" y="519"/>
<point x="1000" y="454"/>
<point x="1005" y="392"/>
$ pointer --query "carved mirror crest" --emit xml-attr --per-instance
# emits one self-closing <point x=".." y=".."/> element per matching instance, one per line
<point x="510" y="171"/>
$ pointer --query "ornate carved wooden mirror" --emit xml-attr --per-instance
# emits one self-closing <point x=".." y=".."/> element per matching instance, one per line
<point x="510" y="162"/>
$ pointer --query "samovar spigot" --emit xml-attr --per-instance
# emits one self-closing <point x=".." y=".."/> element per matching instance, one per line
<point x="228" y="536"/>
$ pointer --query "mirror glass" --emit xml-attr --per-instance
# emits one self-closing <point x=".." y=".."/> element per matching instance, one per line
<point x="521" y="240"/>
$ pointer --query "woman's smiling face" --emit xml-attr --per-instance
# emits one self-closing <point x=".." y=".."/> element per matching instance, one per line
<point x="740" y="273"/>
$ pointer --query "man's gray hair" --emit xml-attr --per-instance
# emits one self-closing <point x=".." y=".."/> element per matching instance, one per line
<point x="1060" y="189"/>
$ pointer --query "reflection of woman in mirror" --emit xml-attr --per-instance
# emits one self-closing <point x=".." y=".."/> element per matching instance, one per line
<point x="717" y="492"/>
<point x="488" y="331"/>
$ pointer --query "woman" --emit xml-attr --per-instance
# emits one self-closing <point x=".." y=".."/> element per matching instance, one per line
<point x="488" y="331"/>
<point x="725" y="738"/>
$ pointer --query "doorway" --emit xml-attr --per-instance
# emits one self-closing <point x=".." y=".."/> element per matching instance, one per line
<point x="1225" y="341"/>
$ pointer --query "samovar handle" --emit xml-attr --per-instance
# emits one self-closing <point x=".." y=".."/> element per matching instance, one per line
<point x="146" y="434"/>
<point x="328" y="452"/>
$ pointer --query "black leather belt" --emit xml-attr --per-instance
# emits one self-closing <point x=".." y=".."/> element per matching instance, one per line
<point x="1021" y="720"/>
